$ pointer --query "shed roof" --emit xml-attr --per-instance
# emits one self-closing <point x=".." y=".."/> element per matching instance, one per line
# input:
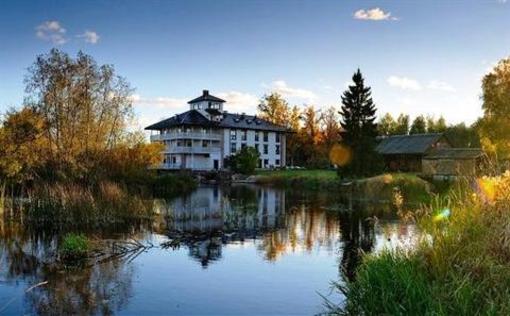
<point x="455" y="153"/>
<point x="408" y="144"/>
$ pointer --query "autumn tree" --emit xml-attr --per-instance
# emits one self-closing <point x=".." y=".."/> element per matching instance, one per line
<point x="419" y="125"/>
<point x="494" y="127"/>
<point x="330" y="127"/>
<point x="86" y="107"/>
<point x="275" y="109"/>
<point x="360" y="131"/>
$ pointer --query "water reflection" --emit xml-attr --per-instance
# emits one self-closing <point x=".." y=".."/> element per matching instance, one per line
<point x="310" y="238"/>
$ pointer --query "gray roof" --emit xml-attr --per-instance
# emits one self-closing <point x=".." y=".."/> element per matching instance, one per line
<point x="455" y="153"/>
<point x="206" y="97"/>
<point x="229" y="120"/>
<point x="408" y="144"/>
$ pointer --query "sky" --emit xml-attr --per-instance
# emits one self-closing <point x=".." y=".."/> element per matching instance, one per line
<point x="419" y="57"/>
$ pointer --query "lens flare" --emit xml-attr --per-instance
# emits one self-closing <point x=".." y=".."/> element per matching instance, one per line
<point x="444" y="214"/>
<point x="487" y="187"/>
<point x="340" y="155"/>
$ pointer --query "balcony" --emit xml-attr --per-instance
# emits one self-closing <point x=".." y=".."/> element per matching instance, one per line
<point x="192" y="150"/>
<point x="192" y="135"/>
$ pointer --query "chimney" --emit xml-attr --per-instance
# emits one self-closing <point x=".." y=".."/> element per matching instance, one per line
<point x="205" y="93"/>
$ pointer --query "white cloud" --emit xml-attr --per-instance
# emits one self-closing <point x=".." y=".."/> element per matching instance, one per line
<point x="239" y="101"/>
<point x="281" y="87"/>
<point x="404" y="83"/>
<point x="90" y="37"/>
<point x="51" y="31"/>
<point x="375" y="14"/>
<point x="440" y="85"/>
<point x="160" y="103"/>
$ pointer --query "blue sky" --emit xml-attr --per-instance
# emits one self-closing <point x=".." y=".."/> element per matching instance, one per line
<point x="419" y="57"/>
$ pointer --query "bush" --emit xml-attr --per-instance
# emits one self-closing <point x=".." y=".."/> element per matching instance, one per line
<point x="74" y="247"/>
<point x="245" y="161"/>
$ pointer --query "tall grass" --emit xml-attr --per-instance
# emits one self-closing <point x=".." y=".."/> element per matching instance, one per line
<point x="461" y="266"/>
<point x="73" y="204"/>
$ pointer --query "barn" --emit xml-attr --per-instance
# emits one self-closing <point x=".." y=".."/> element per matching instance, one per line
<point x="406" y="152"/>
<point x="453" y="162"/>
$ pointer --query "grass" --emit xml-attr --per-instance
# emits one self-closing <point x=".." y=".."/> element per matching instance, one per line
<point x="309" y="179"/>
<point x="74" y="247"/>
<point x="461" y="266"/>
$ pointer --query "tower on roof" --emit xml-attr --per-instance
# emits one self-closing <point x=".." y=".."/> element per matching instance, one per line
<point x="206" y="102"/>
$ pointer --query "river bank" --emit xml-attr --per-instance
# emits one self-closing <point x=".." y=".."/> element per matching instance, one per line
<point x="460" y="266"/>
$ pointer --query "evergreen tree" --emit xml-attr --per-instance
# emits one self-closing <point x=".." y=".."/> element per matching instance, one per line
<point x="419" y="125"/>
<point x="360" y="131"/>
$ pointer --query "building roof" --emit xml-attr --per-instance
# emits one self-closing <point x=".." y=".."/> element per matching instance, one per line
<point x="229" y="120"/>
<point x="455" y="153"/>
<point x="206" y="97"/>
<point x="408" y="144"/>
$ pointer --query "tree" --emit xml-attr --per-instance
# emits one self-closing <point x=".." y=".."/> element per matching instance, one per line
<point x="461" y="135"/>
<point x="402" y="127"/>
<point x="358" y="117"/>
<point x="387" y="125"/>
<point x="330" y="128"/>
<point x="245" y="160"/>
<point x="436" y="126"/>
<point x="275" y="109"/>
<point x="495" y="124"/>
<point x="21" y="145"/>
<point x="310" y="136"/>
<point x="419" y="125"/>
<point x="86" y="107"/>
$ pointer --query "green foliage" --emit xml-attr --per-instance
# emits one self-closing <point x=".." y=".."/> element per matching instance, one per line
<point x="402" y="127"/>
<point x="419" y="125"/>
<point x="461" y="266"/>
<point x="360" y="131"/>
<point x="309" y="179"/>
<point x="436" y="126"/>
<point x="495" y="124"/>
<point x="461" y="135"/>
<point x="74" y="247"/>
<point x="387" y="125"/>
<point x="245" y="160"/>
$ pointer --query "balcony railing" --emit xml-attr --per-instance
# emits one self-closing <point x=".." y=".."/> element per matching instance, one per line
<point x="191" y="135"/>
<point x="192" y="150"/>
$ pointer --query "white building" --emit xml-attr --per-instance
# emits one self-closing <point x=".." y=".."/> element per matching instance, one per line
<point x="201" y="138"/>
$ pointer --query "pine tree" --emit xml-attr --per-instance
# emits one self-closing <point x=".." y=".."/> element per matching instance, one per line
<point x="360" y="131"/>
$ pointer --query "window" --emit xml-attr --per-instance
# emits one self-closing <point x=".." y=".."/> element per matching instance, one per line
<point x="243" y="145"/>
<point x="189" y="143"/>
<point x="265" y="136"/>
<point x="266" y="162"/>
<point x="277" y="162"/>
<point x="256" y="136"/>
<point x="277" y="149"/>
<point x="233" y="148"/>
<point x="265" y="149"/>
<point x="277" y="137"/>
<point x="260" y="166"/>
<point x="205" y="143"/>
<point x="233" y="135"/>
<point x="244" y="135"/>
<point x="257" y="147"/>
<point x="174" y="160"/>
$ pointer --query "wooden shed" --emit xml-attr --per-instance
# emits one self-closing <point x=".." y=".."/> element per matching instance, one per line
<point x="453" y="162"/>
<point x="406" y="152"/>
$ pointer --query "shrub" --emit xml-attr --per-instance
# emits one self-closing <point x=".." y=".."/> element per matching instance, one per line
<point x="245" y="161"/>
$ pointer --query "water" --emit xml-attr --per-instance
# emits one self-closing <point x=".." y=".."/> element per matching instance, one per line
<point x="241" y="250"/>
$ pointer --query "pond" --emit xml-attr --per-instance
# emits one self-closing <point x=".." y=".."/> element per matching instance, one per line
<point x="238" y="250"/>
